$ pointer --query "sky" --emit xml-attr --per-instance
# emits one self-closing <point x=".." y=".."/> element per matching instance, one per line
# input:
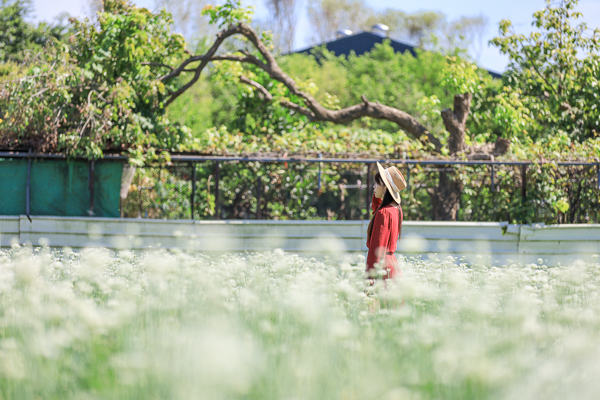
<point x="518" y="11"/>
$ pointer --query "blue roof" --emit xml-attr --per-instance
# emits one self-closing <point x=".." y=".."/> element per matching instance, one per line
<point x="364" y="42"/>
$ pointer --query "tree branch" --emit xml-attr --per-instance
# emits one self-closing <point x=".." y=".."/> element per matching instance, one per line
<point x="535" y="67"/>
<point x="248" y="59"/>
<point x="269" y="97"/>
<point x="317" y="111"/>
<point x="221" y="36"/>
<point x="261" y="89"/>
<point x="155" y="64"/>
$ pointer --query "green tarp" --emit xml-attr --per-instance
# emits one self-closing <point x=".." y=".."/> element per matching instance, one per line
<point x="59" y="187"/>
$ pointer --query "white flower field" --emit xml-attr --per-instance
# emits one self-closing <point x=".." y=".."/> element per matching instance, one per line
<point x="178" y="325"/>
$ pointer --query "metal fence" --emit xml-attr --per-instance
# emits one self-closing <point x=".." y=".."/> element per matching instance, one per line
<point x="215" y="187"/>
<point x="212" y="187"/>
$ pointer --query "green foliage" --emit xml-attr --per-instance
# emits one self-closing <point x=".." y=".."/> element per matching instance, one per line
<point x="100" y="91"/>
<point x="554" y="73"/>
<point x="286" y="191"/>
<point x="422" y="86"/>
<point x="496" y="111"/>
<point x="554" y="194"/>
<point x="229" y="13"/>
<point x="14" y="30"/>
<point x="205" y="105"/>
<point x="461" y="76"/>
<point x="291" y="191"/>
<point x="311" y="140"/>
<point x="399" y="80"/>
<point x="17" y="36"/>
<point x="257" y="117"/>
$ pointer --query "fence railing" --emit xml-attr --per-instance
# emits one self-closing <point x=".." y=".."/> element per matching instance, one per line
<point x="229" y="187"/>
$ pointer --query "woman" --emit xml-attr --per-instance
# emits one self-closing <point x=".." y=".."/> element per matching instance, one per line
<point x="386" y="224"/>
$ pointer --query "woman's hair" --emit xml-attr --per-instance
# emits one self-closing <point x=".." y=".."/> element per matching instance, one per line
<point x="387" y="200"/>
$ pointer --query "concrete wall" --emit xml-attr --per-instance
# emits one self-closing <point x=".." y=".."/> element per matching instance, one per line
<point x="496" y="243"/>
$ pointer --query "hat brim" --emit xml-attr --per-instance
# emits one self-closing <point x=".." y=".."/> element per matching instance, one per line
<point x="395" y="195"/>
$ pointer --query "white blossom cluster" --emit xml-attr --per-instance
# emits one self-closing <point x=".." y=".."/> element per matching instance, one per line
<point x="180" y="325"/>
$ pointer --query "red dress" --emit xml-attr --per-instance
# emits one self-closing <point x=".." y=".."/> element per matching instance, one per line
<point x="384" y="237"/>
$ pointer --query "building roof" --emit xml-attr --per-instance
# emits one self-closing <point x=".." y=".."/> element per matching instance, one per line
<point x="364" y="42"/>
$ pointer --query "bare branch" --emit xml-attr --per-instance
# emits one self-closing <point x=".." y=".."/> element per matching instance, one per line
<point x="269" y="97"/>
<point x="155" y="64"/>
<point x="299" y="109"/>
<point x="343" y="116"/>
<point x="261" y="89"/>
<point x="221" y="36"/>
<point x="248" y="59"/>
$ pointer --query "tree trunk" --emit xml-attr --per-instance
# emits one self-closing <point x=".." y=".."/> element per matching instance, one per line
<point x="455" y="122"/>
<point x="445" y="198"/>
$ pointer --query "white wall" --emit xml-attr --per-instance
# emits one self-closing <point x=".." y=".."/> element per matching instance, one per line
<point x="496" y="243"/>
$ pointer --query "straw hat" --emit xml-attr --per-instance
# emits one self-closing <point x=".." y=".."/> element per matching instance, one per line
<point x="393" y="179"/>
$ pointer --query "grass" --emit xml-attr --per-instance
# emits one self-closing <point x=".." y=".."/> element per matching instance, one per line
<point x="177" y="325"/>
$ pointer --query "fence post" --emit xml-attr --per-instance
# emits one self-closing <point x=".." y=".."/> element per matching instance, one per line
<point x="217" y="208"/>
<point x="523" y="182"/>
<point x="407" y="176"/>
<point x="193" y="189"/>
<point x="598" y="170"/>
<point x="319" y="185"/>
<point x="91" y="186"/>
<point x="259" y="198"/>
<point x="368" y="199"/>
<point x="141" y="199"/>
<point x="493" y="175"/>
<point x="28" y="191"/>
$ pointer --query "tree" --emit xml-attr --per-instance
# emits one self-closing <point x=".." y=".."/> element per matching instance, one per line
<point x="15" y="32"/>
<point x="555" y="71"/>
<point x="98" y="92"/>
<point x="18" y="36"/>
